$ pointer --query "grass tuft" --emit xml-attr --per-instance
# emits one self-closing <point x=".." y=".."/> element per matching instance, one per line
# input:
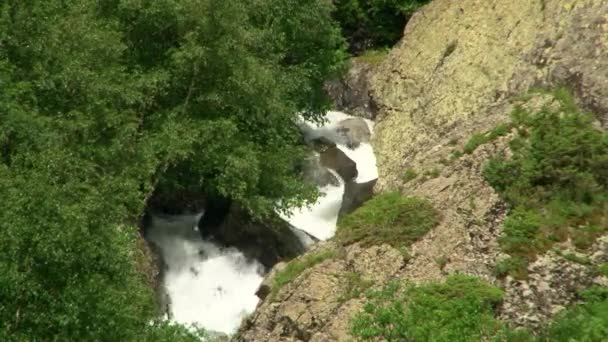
<point x="388" y="218"/>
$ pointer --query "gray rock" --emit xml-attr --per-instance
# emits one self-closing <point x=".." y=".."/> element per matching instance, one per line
<point x="316" y="173"/>
<point x="352" y="93"/>
<point x="354" y="131"/>
<point x="332" y="157"/>
<point x="355" y="194"/>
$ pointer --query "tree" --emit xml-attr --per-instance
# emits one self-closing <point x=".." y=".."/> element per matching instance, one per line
<point x="104" y="102"/>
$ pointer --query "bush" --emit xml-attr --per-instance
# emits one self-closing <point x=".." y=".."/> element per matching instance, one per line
<point x="460" y="309"/>
<point x="374" y="23"/>
<point x="388" y="218"/>
<point x="585" y="322"/>
<point x="556" y="182"/>
<point x="104" y="102"/>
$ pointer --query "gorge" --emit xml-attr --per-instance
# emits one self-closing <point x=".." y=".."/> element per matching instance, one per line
<point x="211" y="285"/>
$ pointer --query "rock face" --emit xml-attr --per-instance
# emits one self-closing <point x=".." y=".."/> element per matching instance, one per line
<point x="460" y="69"/>
<point x="317" y="305"/>
<point x="352" y="93"/>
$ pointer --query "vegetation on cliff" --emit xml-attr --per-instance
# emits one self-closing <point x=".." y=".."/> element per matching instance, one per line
<point x="460" y="309"/>
<point x="372" y="23"/>
<point x="464" y="308"/>
<point x="102" y="103"/>
<point x="556" y="182"/>
<point x="388" y="218"/>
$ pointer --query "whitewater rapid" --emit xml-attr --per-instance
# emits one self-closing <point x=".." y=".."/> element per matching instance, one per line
<point x="320" y="219"/>
<point x="208" y="286"/>
<point x="214" y="288"/>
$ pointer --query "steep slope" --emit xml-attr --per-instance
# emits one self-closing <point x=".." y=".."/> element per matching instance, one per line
<point x="461" y="69"/>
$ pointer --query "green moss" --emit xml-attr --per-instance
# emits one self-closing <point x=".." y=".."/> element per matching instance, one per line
<point x="577" y="259"/>
<point x="461" y="309"/>
<point x="375" y="56"/>
<point x="388" y="218"/>
<point x="479" y="139"/>
<point x="433" y="173"/>
<point x="556" y="183"/>
<point x="442" y="261"/>
<point x="296" y="267"/>
<point x="584" y="322"/>
<point x="354" y="286"/>
<point x="455" y="154"/>
<point x="603" y="269"/>
<point x="515" y="266"/>
<point x="409" y="175"/>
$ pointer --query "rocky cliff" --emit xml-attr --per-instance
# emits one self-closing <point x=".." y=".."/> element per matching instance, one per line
<point x="461" y="69"/>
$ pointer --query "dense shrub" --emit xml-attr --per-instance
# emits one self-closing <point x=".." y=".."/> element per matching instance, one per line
<point x="556" y="182"/>
<point x="374" y="23"/>
<point x="388" y="218"/>
<point x="583" y="322"/>
<point x="104" y="102"/>
<point x="461" y="309"/>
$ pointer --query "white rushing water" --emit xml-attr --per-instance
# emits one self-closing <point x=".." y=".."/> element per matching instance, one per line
<point x="208" y="286"/>
<point x="319" y="220"/>
<point x="214" y="288"/>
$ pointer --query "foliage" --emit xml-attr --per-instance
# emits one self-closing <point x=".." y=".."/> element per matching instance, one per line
<point x="296" y="267"/>
<point x="603" y="269"/>
<point x="104" y="102"/>
<point x="373" y="56"/>
<point x="354" y="286"/>
<point x="556" y="182"/>
<point x="461" y="309"/>
<point x="408" y="175"/>
<point x="388" y="218"/>
<point x="584" y="322"/>
<point x="479" y="139"/>
<point x="374" y="23"/>
<point x="432" y="173"/>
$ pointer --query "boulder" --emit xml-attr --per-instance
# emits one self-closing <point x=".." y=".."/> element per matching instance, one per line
<point x="266" y="286"/>
<point x="269" y="241"/>
<point x="355" y="194"/>
<point x="332" y="157"/>
<point x="354" y="131"/>
<point x="314" y="172"/>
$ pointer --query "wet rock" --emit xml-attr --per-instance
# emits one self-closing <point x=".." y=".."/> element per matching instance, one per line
<point x="269" y="241"/>
<point x="355" y="194"/>
<point x="266" y="286"/>
<point x="316" y="173"/>
<point x="354" y="131"/>
<point x="352" y="93"/>
<point x="332" y="157"/>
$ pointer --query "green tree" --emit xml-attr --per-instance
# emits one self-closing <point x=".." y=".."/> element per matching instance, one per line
<point x="104" y="102"/>
<point x="374" y="23"/>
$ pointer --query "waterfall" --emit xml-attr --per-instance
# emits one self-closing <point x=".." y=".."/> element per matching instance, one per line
<point x="208" y="286"/>
<point x="319" y="220"/>
<point x="213" y="287"/>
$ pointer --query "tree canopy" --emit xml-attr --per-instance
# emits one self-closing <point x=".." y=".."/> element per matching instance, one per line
<point x="104" y="102"/>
